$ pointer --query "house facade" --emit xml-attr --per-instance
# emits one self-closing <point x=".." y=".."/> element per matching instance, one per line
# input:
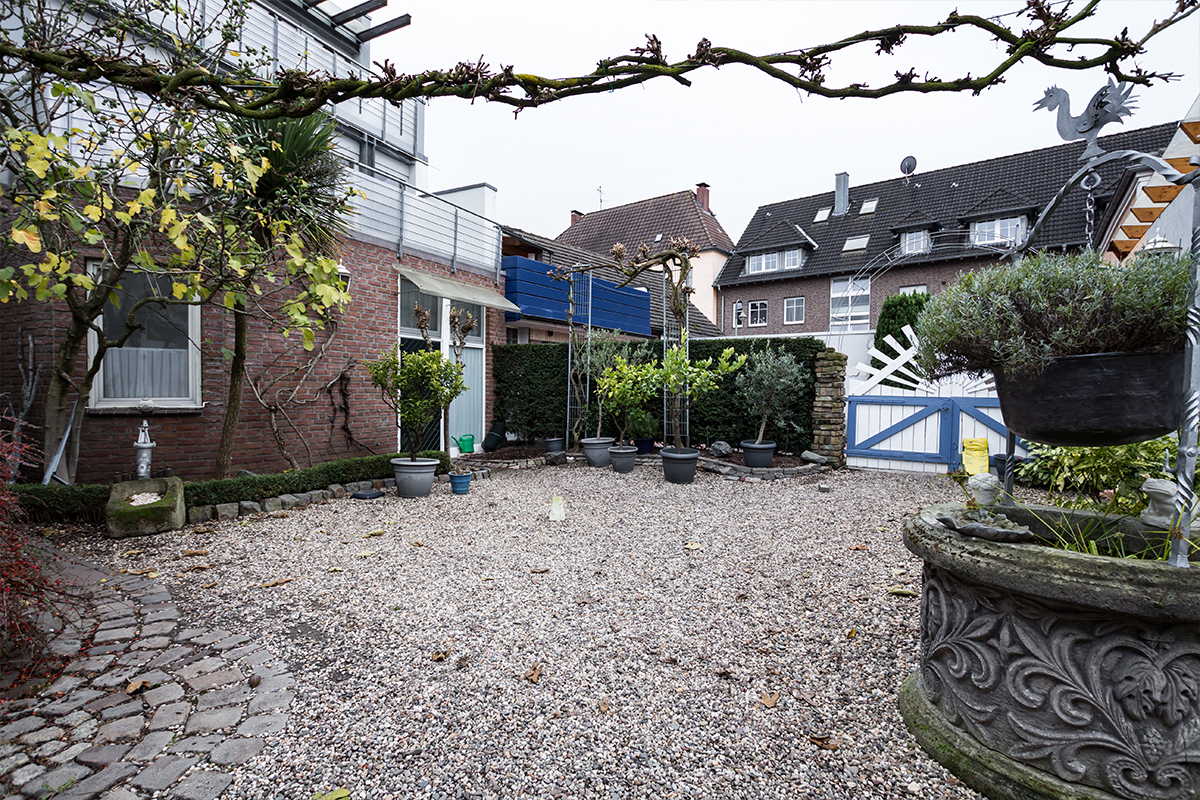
<point x="823" y="265"/>
<point x="406" y="246"/>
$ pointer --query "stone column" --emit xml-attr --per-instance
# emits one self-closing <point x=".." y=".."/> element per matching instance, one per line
<point x="829" y="407"/>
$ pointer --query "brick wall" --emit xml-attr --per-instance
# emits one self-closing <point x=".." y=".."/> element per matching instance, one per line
<point x="340" y="420"/>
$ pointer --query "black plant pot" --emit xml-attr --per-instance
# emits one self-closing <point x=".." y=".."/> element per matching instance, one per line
<point x="644" y="446"/>
<point x="758" y="455"/>
<point x="1096" y="400"/>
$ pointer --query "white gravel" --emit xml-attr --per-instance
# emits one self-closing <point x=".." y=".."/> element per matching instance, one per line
<point x="763" y="663"/>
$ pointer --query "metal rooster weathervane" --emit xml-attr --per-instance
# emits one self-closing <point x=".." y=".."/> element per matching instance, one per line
<point x="1107" y="105"/>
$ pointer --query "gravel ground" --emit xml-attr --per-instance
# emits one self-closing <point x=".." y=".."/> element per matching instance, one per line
<point x="717" y="640"/>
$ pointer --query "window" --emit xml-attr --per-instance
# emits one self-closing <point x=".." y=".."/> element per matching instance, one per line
<point x="411" y="296"/>
<point x="476" y="312"/>
<point x="793" y="311"/>
<point x="159" y="364"/>
<point x="793" y="259"/>
<point x="822" y="214"/>
<point x="855" y="243"/>
<point x="912" y="242"/>
<point x="850" y="304"/>
<point x="997" y="231"/>
<point x="762" y="262"/>
<point x="919" y="288"/>
<point x="758" y="313"/>
<point x="869" y="206"/>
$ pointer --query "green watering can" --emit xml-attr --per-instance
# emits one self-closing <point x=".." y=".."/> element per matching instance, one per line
<point x="466" y="443"/>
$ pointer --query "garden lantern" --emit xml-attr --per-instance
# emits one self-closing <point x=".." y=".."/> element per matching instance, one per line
<point x="142" y="447"/>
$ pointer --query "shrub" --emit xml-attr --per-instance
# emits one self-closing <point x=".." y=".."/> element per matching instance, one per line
<point x="1105" y="478"/>
<point x="897" y="311"/>
<point x="767" y="385"/>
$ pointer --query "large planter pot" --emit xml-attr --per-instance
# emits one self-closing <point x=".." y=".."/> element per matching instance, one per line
<point x="758" y="455"/>
<point x="1093" y="400"/>
<point x="595" y="450"/>
<point x="414" y="478"/>
<point x="623" y="458"/>
<point x="460" y="484"/>
<point x="644" y="446"/>
<point x="1046" y="673"/>
<point x="679" y="464"/>
<point x="555" y="445"/>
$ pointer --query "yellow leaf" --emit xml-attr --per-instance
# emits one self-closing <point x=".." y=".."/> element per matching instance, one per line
<point x="693" y="546"/>
<point x="134" y="166"/>
<point x="28" y="237"/>
<point x="38" y="166"/>
<point x="178" y="290"/>
<point x="92" y="212"/>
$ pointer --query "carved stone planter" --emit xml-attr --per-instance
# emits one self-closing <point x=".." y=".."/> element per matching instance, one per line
<point x="1049" y="673"/>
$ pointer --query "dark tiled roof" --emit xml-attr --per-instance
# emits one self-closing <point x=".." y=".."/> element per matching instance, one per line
<point x="566" y="256"/>
<point x="672" y="215"/>
<point x="947" y="199"/>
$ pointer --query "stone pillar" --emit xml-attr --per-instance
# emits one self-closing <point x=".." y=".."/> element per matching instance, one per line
<point x="829" y="407"/>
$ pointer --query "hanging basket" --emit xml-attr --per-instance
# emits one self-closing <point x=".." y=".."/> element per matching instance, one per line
<point x="1096" y="400"/>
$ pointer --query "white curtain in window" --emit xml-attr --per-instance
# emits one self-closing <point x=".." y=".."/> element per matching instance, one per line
<point x="466" y="412"/>
<point x="145" y="372"/>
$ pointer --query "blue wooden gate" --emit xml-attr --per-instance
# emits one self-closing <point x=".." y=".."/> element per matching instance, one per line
<point x="939" y="443"/>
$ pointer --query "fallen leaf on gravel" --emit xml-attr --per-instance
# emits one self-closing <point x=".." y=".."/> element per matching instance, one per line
<point x="902" y="592"/>
<point x="337" y="794"/>
<point x="189" y="553"/>
<point x="365" y="553"/>
<point x="208" y="585"/>
<point x="883" y="528"/>
<point x="417" y="544"/>
<point x="128" y="553"/>
<point x="800" y="694"/>
<point x="379" y="532"/>
<point x="603" y="706"/>
<point x="850" y="634"/>
<point x="487" y="579"/>
<point x="137" y="686"/>
<point x="539" y="570"/>
<point x="769" y="700"/>
<point x="198" y="567"/>
<point x="463" y="662"/>
<point x="336" y="569"/>
<point x="153" y="574"/>
<point x="823" y="742"/>
<point x="276" y="582"/>
<point x="440" y="655"/>
<point x="279" y="515"/>
<point x="533" y="673"/>
<point x="146" y="571"/>
<point x="858" y="547"/>
<point x="741" y="597"/>
<point x="693" y="546"/>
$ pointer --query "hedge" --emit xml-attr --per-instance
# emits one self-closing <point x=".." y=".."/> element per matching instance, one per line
<point x="85" y="503"/>
<point x="531" y="392"/>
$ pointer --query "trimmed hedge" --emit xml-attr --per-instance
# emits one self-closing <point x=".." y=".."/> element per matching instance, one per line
<point x="531" y="388"/>
<point x="85" y="503"/>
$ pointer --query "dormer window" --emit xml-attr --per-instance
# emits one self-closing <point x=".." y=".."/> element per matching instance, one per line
<point x="822" y="214"/>
<point x="793" y="259"/>
<point x="913" y="242"/>
<point x="869" y="206"/>
<point x="997" y="231"/>
<point x="773" y="262"/>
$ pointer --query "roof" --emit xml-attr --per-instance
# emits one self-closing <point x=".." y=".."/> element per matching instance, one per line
<point x="562" y="255"/>
<point x="944" y="201"/>
<point x="655" y="222"/>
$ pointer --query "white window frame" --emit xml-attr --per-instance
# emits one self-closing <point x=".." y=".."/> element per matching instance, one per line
<point x="849" y="289"/>
<point x="986" y="232"/>
<point x="762" y="262"/>
<point x="822" y="214"/>
<point x="97" y="399"/>
<point x="914" y="242"/>
<point x="756" y="308"/>
<point x="793" y="259"/>
<point x="868" y="206"/>
<point x="919" y="288"/>
<point x="790" y="307"/>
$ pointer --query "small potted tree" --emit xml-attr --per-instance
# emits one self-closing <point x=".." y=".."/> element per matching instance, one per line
<point x="683" y="382"/>
<point x="416" y="386"/>
<point x="770" y="380"/>
<point x="644" y="428"/>
<point x="1083" y="353"/>
<point x="625" y="387"/>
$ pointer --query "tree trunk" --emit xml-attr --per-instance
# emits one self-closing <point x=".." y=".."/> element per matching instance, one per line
<point x="58" y="403"/>
<point x="233" y="403"/>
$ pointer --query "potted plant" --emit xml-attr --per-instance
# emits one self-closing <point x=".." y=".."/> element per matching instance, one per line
<point x="416" y="386"/>
<point x="770" y="380"/>
<point x="1083" y="353"/>
<point x="644" y="427"/>
<point x="683" y="382"/>
<point x="460" y="480"/>
<point x="626" y="387"/>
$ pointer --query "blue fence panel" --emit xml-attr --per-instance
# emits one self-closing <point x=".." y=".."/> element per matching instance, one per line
<point x="527" y="285"/>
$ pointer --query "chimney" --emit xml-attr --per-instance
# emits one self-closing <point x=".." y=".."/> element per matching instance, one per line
<point x="576" y="216"/>
<point x="702" y="196"/>
<point x="841" y="193"/>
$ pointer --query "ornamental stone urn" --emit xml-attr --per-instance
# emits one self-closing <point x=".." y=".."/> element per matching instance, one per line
<point x="1047" y="673"/>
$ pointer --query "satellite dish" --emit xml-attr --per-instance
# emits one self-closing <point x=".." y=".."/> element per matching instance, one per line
<point x="909" y="165"/>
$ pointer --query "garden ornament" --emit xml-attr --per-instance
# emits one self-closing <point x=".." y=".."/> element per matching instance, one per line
<point x="985" y="488"/>
<point x="143" y="446"/>
<point x="1108" y="105"/>
<point x="1161" y="508"/>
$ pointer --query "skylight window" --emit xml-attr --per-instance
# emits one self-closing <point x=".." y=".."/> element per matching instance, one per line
<point x="822" y="215"/>
<point x="869" y="206"/>
<point x="855" y="243"/>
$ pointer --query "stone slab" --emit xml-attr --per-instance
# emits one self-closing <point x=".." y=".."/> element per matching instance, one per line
<point x="20" y="728"/>
<point x="226" y="511"/>
<point x="167" y="693"/>
<point x="122" y="730"/>
<point x="106" y="778"/>
<point x="271" y="701"/>
<point x="202" y="785"/>
<point x="214" y="679"/>
<point x="198" y="744"/>
<point x="230" y="695"/>
<point x="49" y="783"/>
<point x="102" y="755"/>
<point x="261" y="724"/>
<point x="234" y="752"/>
<point x="162" y="773"/>
<point x="170" y="716"/>
<point x="213" y="720"/>
<point x="151" y="745"/>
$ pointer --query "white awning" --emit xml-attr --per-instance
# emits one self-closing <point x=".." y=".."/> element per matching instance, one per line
<point x="468" y="293"/>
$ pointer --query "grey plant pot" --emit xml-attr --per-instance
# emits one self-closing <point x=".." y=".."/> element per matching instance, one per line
<point x="758" y="455"/>
<point x="554" y="445"/>
<point x="595" y="450"/>
<point x="1044" y="673"/>
<point x="623" y="458"/>
<point x="414" y="478"/>
<point x="679" y="465"/>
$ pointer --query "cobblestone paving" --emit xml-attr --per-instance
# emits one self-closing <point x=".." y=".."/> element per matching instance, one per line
<point x="149" y="708"/>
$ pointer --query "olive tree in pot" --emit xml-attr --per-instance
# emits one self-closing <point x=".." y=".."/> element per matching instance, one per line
<point x="602" y="352"/>
<point x="682" y="382"/>
<point x="771" y="379"/>
<point x="626" y="387"/>
<point x="416" y="386"/>
<point x="1083" y="353"/>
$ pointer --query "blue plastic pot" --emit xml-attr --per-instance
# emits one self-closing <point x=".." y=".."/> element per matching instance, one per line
<point x="460" y="484"/>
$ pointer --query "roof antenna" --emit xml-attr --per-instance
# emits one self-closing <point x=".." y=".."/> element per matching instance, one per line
<point x="908" y="166"/>
<point x="600" y="191"/>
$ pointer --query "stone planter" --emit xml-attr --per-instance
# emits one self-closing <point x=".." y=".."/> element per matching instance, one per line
<point x="1093" y="400"/>
<point x="758" y="455"/>
<point x="679" y="465"/>
<point x="595" y="450"/>
<point x="623" y="458"/>
<point x="414" y="478"/>
<point x="165" y="514"/>
<point x="1046" y="673"/>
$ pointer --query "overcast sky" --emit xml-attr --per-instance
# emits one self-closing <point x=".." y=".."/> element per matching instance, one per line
<point x="754" y="140"/>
